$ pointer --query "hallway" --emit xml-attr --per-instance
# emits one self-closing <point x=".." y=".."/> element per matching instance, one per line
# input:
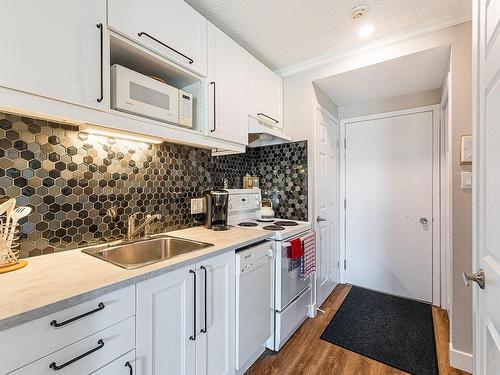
<point x="306" y="353"/>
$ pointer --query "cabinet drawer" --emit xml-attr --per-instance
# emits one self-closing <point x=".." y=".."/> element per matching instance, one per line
<point x="87" y="355"/>
<point x="30" y="341"/>
<point x="125" y="365"/>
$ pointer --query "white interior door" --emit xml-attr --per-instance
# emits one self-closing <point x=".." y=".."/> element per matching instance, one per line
<point x="487" y="186"/>
<point x="326" y="198"/>
<point x="388" y="177"/>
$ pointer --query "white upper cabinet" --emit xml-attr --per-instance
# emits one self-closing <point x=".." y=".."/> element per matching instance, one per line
<point x="55" y="49"/>
<point x="228" y="88"/>
<point x="264" y="93"/>
<point x="170" y="28"/>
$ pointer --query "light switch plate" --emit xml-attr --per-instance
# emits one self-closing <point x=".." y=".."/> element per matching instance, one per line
<point x="197" y="206"/>
<point x="466" y="180"/>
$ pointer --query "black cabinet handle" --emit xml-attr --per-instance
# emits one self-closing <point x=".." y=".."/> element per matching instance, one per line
<point x="55" y="324"/>
<point x="204" y="330"/>
<point x="127" y="364"/>
<point x="54" y="366"/>
<point x="269" y="117"/>
<point x="193" y="338"/>
<point x="215" y="109"/>
<point x="101" y="32"/>
<point x="189" y="59"/>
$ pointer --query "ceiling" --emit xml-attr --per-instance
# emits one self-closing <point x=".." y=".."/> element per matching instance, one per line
<point x="405" y="75"/>
<point x="282" y="33"/>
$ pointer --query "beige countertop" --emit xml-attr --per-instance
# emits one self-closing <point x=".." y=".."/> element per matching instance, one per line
<point x="57" y="281"/>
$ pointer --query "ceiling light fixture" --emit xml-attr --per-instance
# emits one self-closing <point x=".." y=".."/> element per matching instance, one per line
<point x="97" y="130"/>
<point x="358" y="12"/>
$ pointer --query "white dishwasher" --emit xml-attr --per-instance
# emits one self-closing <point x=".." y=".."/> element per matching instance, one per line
<point x="254" y="293"/>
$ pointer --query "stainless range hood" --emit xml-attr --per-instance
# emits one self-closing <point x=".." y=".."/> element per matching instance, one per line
<point x="261" y="134"/>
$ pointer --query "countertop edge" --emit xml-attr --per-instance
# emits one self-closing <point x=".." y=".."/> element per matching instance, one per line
<point x="40" y="312"/>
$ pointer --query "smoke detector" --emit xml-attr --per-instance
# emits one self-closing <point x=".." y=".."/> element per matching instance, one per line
<point x="358" y="12"/>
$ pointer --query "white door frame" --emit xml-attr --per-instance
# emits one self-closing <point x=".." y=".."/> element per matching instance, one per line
<point x="436" y="156"/>
<point x="312" y="219"/>
<point x="446" y="195"/>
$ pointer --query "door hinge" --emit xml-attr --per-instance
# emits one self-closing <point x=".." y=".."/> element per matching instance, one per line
<point x="345" y="264"/>
<point x="338" y="265"/>
<point x="345" y="204"/>
<point x="345" y="143"/>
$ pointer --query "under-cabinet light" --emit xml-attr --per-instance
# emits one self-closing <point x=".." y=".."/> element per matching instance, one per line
<point x="97" y="130"/>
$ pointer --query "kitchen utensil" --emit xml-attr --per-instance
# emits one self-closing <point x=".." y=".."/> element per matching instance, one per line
<point x="17" y="214"/>
<point x="10" y="204"/>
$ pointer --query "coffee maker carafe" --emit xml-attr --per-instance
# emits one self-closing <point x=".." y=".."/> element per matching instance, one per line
<point x="216" y="203"/>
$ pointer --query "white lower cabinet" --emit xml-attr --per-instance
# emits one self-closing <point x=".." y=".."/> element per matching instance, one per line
<point x="185" y="320"/>
<point x="125" y="365"/>
<point x="87" y="355"/>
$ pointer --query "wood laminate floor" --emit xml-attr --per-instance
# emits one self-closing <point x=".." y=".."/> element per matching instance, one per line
<point x="306" y="353"/>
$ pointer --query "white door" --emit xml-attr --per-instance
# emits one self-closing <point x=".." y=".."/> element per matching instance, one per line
<point x="53" y="49"/>
<point x="264" y="93"/>
<point x="215" y="346"/>
<point x="170" y="28"/>
<point x="228" y="88"/>
<point x="487" y="186"/>
<point x="388" y="216"/>
<point x="165" y="324"/>
<point x="326" y="198"/>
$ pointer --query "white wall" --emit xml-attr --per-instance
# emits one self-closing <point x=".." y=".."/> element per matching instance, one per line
<point x="397" y="103"/>
<point x="298" y="115"/>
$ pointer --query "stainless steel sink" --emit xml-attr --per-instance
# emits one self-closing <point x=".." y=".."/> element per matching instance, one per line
<point x="139" y="253"/>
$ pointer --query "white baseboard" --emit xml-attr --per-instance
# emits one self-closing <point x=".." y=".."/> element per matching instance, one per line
<point x="461" y="360"/>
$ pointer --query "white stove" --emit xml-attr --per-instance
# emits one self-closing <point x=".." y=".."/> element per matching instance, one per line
<point x="292" y="296"/>
<point x="242" y="212"/>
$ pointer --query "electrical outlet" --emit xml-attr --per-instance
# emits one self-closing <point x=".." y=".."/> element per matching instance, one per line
<point x="197" y="206"/>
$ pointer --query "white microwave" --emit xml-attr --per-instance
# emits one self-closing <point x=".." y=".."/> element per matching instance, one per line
<point x="138" y="94"/>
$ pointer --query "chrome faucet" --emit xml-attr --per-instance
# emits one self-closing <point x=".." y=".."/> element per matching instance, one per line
<point x="133" y="231"/>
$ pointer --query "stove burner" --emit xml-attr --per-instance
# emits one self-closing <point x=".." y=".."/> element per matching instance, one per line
<point x="286" y="223"/>
<point x="247" y="224"/>
<point x="273" y="227"/>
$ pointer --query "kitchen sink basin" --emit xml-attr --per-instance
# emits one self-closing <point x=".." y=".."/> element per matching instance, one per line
<point x="138" y="253"/>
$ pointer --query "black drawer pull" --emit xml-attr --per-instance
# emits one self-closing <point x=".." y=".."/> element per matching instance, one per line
<point x="204" y="330"/>
<point x="55" y="324"/>
<point x="215" y="109"/>
<point x="127" y="364"/>
<point x="269" y="117"/>
<point x="189" y="59"/>
<point x="193" y="338"/>
<point x="101" y="32"/>
<point x="54" y="366"/>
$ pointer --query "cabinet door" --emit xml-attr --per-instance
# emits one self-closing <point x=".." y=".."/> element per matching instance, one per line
<point x="165" y="323"/>
<point x="53" y="49"/>
<point x="171" y="28"/>
<point x="215" y="348"/>
<point x="265" y="93"/>
<point x="228" y="88"/>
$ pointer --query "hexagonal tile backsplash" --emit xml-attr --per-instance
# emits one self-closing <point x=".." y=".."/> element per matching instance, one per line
<point x="71" y="179"/>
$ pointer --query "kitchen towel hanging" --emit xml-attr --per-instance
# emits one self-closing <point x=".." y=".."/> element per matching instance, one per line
<point x="308" y="261"/>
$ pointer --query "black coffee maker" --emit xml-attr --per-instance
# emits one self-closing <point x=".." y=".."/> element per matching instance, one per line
<point x="216" y="204"/>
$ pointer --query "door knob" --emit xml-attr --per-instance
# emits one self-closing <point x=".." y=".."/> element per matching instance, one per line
<point x="319" y="219"/>
<point x="424" y="220"/>
<point x="477" y="277"/>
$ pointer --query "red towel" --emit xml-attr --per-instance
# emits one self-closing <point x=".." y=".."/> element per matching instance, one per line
<point x="296" y="250"/>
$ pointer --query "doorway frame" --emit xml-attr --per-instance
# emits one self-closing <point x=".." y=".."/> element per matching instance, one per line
<point x="437" y="148"/>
